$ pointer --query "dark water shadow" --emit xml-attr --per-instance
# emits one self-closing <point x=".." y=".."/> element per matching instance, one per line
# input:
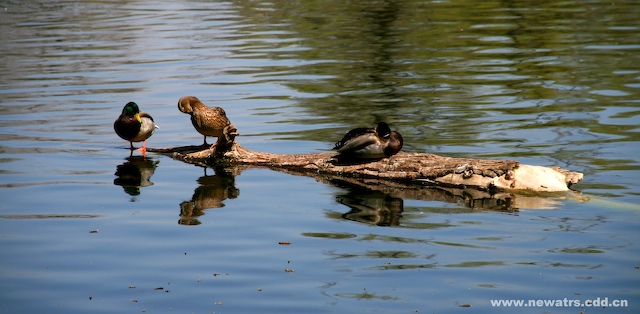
<point x="212" y="191"/>
<point x="180" y="149"/>
<point x="135" y="173"/>
<point x="50" y="216"/>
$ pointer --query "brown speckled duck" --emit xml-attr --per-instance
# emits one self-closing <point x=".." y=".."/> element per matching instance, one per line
<point x="208" y="121"/>
<point x="370" y="143"/>
<point x="134" y="125"/>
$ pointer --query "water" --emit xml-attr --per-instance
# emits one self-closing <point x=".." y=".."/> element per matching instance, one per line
<point x="546" y="84"/>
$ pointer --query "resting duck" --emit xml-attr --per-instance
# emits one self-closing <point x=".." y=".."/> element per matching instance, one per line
<point x="134" y="125"/>
<point x="370" y="143"/>
<point x="208" y="121"/>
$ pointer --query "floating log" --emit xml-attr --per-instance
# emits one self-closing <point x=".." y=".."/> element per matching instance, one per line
<point x="419" y="169"/>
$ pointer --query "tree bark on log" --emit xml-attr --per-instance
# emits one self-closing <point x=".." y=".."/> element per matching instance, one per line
<point x="418" y="169"/>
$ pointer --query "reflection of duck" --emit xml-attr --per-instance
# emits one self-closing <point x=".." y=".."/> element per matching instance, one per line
<point x="135" y="173"/>
<point x="211" y="193"/>
<point x="134" y="125"/>
<point x="208" y="121"/>
<point x="370" y="143"/>
<point x="376" y="209"/>
<point x="371" y="207"/>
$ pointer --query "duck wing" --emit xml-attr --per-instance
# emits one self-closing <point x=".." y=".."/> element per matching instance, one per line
<point x="209" y="121"/>
<point x="351" y="139"/>
<point x="147" y="127"/>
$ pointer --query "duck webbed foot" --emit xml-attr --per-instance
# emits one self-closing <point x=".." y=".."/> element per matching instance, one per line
<point x="142" y="149"/>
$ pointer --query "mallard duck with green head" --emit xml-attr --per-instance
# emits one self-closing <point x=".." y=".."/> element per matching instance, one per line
<point x="134" y="125"/>
<point x="370" y="143"/>
<point x="208" y="121"/>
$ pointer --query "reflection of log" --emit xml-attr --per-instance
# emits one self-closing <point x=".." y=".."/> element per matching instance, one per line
<point x="414" y="168"/>
<point x="469" y="198"/>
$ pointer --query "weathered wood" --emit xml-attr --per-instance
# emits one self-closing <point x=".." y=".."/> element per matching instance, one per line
<point x="418" y="169"/>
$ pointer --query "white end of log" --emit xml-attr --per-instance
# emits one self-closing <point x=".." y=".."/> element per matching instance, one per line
<point x="524" y="178"/>
<point x="543" y="179"/>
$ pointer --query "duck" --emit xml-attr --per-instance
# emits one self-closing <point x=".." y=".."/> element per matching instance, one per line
<point x="370" y="143"/>
<point x="208" y="121"/>
<point x="134" y="125"/>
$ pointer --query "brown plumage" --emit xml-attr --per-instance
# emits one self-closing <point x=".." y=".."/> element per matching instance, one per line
<point x="208" y="121"/>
